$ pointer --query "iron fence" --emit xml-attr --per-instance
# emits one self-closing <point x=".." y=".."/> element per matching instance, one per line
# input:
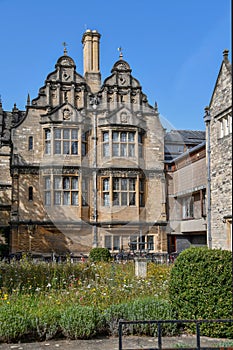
<point x="160" y="324"/>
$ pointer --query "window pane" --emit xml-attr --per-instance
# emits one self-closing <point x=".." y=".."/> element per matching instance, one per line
<point x="123" y="137"/>
<point x="132" y="199"/>
<point x="140" y="151"/>
<point x="48" y="147"/>
<point x="66" y="183"/>
<point x="106" y="199"/>
<point x="57" y="133"/>
<point x="116" y="243"/>
<point x="66" y="198"/>
<point x="66" y="134"/>
<point x="74" y="148"/>
<point x="124" y="184"/>
<point x="116" y="198"/>
<point x="106" y="149"/>
<point x="84" y="149"/>
<point x="66" y="147"/>
<point x="105" y="136"/>
<point x="84" y="199"/>
<point x="132" y="184"/>
<point x="47" y="198"/>
<point x="131" y="150"/>
<point x="139" y="138"/>
<point x="57" y="147"/>
<point x="116" y="184"/>
<point x="30" y="143"/>
<point x="115" y="136"/>
<point x="123" y="150"/>
<point x="124" y="198"/>
<point x="131" y="137"/>
<point x="74" y="183"/>
<point x="108" y="242"/>
<point x="115" y="149"/>
<point x="74" y="134"/>
<point x="106" y="185"/>
<point x="84" y="184"/>
<point x="150" y="242"/>
<point x="47" y="183"/>
<point x="57" y="183"/>
<point x="57" y="198"/>
<point x="74" y="198"/>
<point x="48" y="134"/>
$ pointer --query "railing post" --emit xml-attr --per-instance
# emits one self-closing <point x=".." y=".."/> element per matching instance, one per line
<point x="159" y="336"/>
<point x="120" y="335"/>
<point x="198" y="335"/>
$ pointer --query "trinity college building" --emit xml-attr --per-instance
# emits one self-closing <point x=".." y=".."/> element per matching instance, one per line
<point x="89" y="164"/>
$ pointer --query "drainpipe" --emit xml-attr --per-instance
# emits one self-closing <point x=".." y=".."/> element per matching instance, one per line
<point x="94" y="102"/>
<point x="207" y="119"/>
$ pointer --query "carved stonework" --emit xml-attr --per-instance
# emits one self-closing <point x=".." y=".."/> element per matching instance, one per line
<point x="66" y="114"/>
<point x="124" y="118"/>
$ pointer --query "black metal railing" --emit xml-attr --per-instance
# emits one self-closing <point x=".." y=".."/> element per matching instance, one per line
<point x="160" y="324"/>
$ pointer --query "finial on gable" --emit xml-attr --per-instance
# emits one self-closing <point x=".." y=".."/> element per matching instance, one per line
<point x="120" y="49"/>
<point x="65" y="49"/>
<point x="225" y="55"/>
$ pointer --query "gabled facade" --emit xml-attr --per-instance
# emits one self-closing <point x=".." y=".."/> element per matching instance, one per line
<point x="218" y="121"/>
<point x="87" y="163"/>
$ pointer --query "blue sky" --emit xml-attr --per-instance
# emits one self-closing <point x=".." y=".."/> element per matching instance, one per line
<point x="174" y="48"/>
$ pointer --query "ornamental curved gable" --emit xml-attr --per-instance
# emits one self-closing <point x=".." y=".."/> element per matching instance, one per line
<point x="64" y="114"/>
<point x="123" y="117"/>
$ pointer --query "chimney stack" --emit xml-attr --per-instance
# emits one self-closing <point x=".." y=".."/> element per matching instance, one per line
<point x="90" y="41"/>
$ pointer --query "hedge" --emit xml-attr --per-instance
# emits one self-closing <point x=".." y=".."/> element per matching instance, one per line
<point x="200" y="287"/>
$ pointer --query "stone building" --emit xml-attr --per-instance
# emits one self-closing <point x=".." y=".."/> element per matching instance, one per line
<point x="86" y="163"/>
<point x="218" y="121"/>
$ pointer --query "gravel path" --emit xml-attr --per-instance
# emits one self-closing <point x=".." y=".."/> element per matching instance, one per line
<point x="131" y="342"/>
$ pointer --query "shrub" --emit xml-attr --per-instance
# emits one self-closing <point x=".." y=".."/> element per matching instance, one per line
<point x="81" y="322"/>
<point x="200" y="288"/>
<point x="14" y="324"/>
<point x="149" y="308"/>
<point x="100" y="254"/>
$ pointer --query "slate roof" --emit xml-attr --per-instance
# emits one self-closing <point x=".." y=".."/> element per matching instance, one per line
<point x="186" y="136"/>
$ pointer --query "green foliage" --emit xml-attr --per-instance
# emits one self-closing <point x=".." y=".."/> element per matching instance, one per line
<point x="149" y="308"/>
<point x="200" y="288"/>
<point x="81" y="322"/>
<point x="14" y="323"/>
<point x="100" y="254"/>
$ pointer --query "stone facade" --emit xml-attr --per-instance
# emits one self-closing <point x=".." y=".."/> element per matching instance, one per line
<point x="87" y="163"/>
<point x="219" y="137"/>
<point x="83" y="166"/>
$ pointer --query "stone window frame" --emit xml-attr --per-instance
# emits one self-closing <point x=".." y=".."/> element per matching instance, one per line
<point x="224" y="125"/>
<point x="123" y="191"/>
<point x="63" y="190"/>
<point x="54" y="145"/>
<point x="66" y="141"/>
<point x="30" y="143"/>
<point x="117" y="146"/>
